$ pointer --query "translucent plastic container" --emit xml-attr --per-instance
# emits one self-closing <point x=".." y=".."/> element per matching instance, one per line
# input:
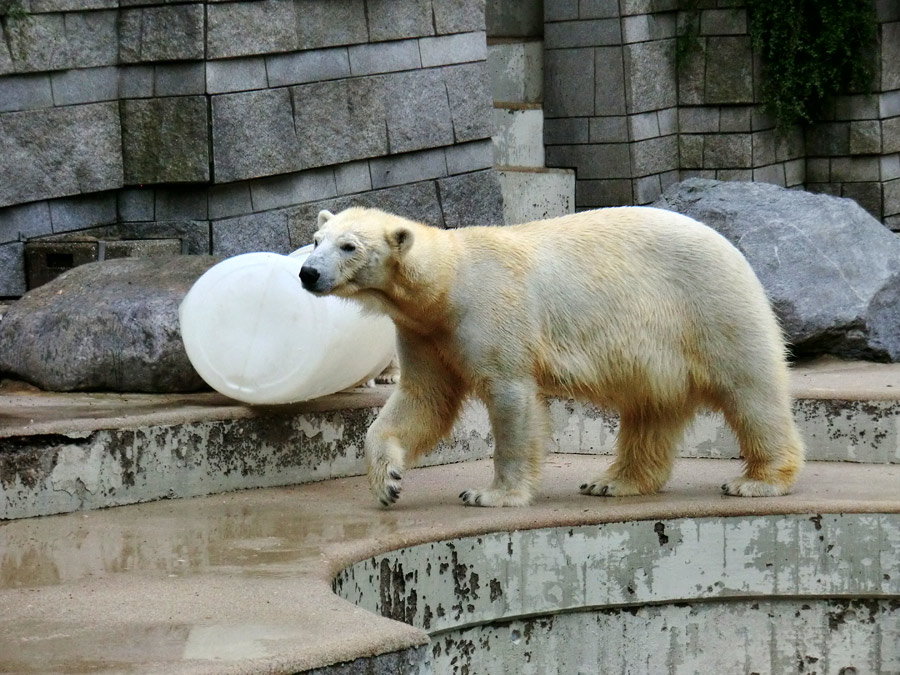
<point x="255" y="334"/>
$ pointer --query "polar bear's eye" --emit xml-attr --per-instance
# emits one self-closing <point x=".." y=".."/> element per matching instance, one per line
<point x="348" y="247"/>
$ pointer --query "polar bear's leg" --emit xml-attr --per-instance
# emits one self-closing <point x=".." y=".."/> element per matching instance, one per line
<point x="645" y="453"/>
<point x="770" y="446"/>
<point x="520" y="421"/>
<point x="409" y="425"/>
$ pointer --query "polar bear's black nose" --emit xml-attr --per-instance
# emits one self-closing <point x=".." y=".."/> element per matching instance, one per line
<point x="308" y="277"/>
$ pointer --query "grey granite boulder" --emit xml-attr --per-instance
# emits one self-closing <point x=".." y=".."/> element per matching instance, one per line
<point x="830" y="269"/>
<point x="110" y="326"/>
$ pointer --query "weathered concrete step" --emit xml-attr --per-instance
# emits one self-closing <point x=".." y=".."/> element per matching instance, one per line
<point x="519" y="137"/>
<point x="243" y="582"/>
<point x="70" y="452"/>
<point x="516" y="69"/>
<point x="535" y="194"/>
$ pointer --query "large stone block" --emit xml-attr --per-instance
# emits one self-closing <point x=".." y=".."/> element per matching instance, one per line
<point x="867" y="195"/>
<point x="110" y="326"/>
<point x="165" y="140"/>
<point x="384" y="57"/>
<point x="37" y="42"/>
<point x="25" y="92"/>
<point x="608" y="129"/>
<point x="327" y="23"/>
<point x="865" y="137"/>
<point x="87" y="85"/>
<point x="392" y="20"/>
<point x="521" y="18"/>
<point x="592" y="194"/>
<point x="253" y="135"/>
<point x="179" y="79"/>
<point x="447" y="49"/>
<point x="466" y="157"/>
<point x="93" y="38"/>
<point x="471" y="105"/>
<point x="12" y="269"/>
<point x="596" y="161"/>
<point x="828" y="139"/>
<point x="408" y="168"/>
<point x="609" y="81"/>
<point x="59" y="151"/>
<point x="563" y="69"/>
<point x="459" y="16"/>
<point x="692" y="73"/>
<point x="536" y="195"/>
<point x="890" y="56"/>
<point x="729" y="151"/>
<point x="690" y="150"/>
<point x="517" y="71"/>
<point x="729" y="70"/>
<point x="654" y="155"/>
<point x="266" y="231"/>
<point x="471" y="199"/>
<point x="6" y="62"/>
<point x="890" y="135"/>
<point x="24" y="222"/>
<point x="729" y="21"/>
<point x="418" y="114"/>
<point x="855" y="169"/>
<point x="245" y="28"/>
<point x="830" y="269"/>
<point x="291" y="189"/>
<point x="588" y="33"/>
<point x="650" y="77"/>
<point x="235" y="75"/>
<point x="168" y="33"/>
<point x="83" y="211"/>
<point x="309" y="66"/>
<point x="567" y="131"/>
<point x="339" y="121"/>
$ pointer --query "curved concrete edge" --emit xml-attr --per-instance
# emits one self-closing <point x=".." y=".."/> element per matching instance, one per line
<point x="100" y="450"/>
<point x="451" y="586"/>
<point x="241" y="582"/>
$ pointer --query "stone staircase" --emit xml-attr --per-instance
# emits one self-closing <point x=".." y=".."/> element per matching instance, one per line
<point x="530" y="190"/>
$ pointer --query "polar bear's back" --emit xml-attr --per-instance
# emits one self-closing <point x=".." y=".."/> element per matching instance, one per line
<point x="622" y="297"/>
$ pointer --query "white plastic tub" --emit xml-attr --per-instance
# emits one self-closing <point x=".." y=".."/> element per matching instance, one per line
<point x="255" y="334"/>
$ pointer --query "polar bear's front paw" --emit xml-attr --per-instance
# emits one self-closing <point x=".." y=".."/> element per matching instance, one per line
<point x="604" y="486"/>
<point x="747" y="487"/>
<point x="495" y="497"/>
<point x="385" y="481"/>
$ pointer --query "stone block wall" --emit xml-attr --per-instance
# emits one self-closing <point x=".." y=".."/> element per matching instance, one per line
<point x="230" y="124"/>
<point x="641" y="93"/>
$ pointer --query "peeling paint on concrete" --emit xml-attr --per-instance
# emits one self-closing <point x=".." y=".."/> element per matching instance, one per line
<point x="834" y="430"/>
<point x="767" y="637"/>
<point x="711" y="592"/>
<point x="57" y="473"/>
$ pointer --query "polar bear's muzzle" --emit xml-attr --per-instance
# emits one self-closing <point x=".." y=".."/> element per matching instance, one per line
<point x="309" y="277"/>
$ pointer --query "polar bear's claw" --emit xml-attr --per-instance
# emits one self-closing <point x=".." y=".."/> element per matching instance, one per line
<point x="747" y="487"/>
<point x="608" y="487"/>
<point x="495" y="497"/>
<point x="385" y="481"/>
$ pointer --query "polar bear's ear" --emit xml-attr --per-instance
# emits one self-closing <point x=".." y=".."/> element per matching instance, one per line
<point x="324" y="217"/>
<point x="400" y="239"/>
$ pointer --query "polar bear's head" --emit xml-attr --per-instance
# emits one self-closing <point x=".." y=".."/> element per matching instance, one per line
<point x="355" y="251"/>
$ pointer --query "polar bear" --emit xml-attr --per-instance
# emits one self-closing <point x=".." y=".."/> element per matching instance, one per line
<point x="634" y="308"/>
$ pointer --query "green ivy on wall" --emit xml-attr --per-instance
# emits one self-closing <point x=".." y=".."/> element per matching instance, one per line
<point x="812" y="49"/>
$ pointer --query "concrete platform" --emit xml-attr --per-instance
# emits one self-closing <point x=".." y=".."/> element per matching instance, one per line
<point x="241" y="583"/>
<point x="244" y="582"/>
<point x="71" y="452"/>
